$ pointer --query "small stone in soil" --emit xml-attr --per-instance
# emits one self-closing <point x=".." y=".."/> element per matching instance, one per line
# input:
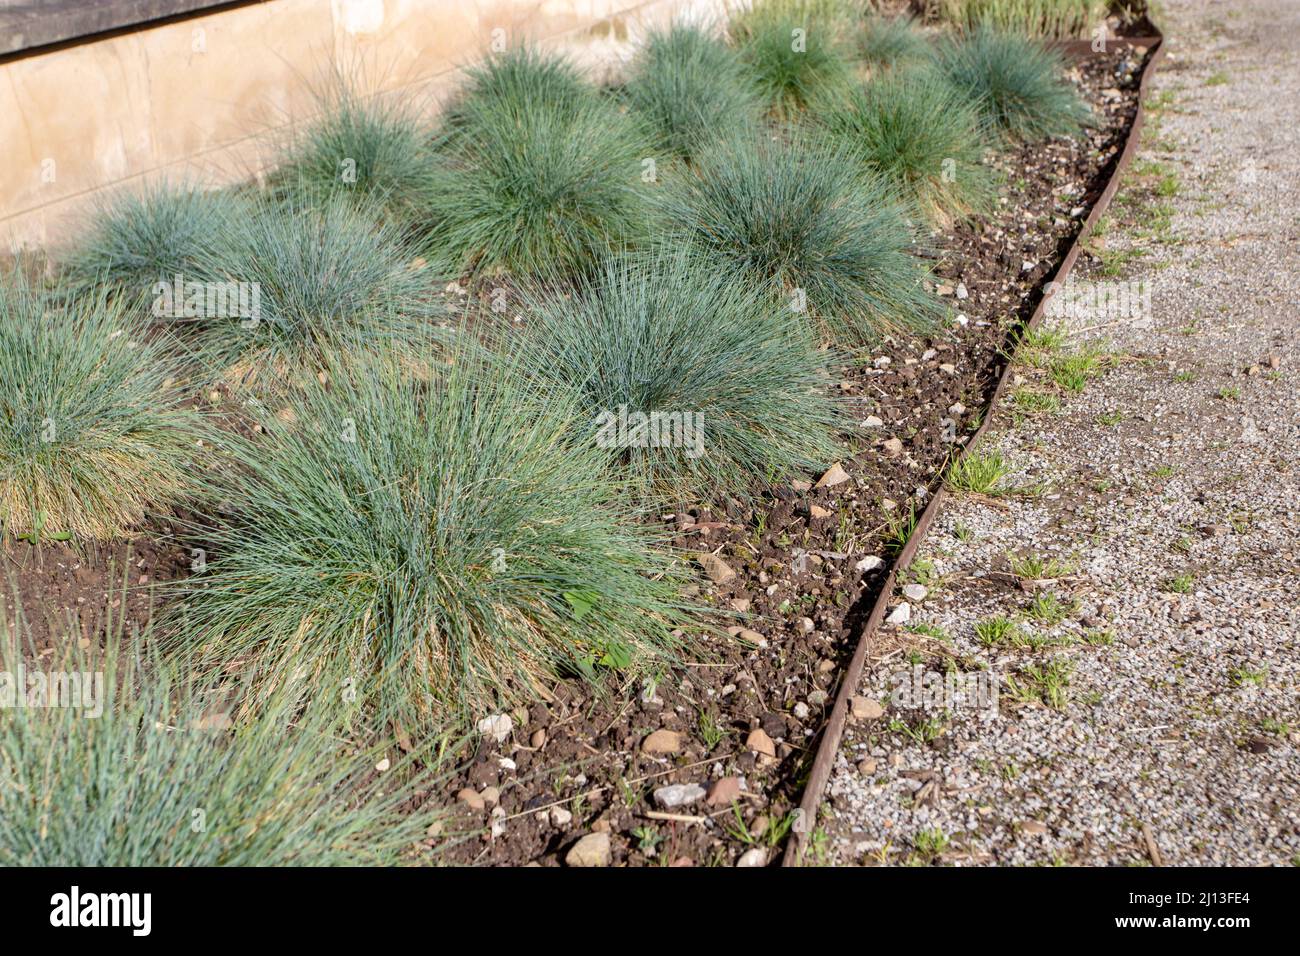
<point x="900" y="615"/>
<point x="662" y="742"/>
<point x="471" y="799"/>
<point x="864" y="708"/>
<point x="718" y="571"/>
<point x="723" y="792"/>
<point x="759" y="742"/>
<point x="679" y="795"/>
<point x="590" y="850"/>
<point x="497" y="726"/>
<point x="835" y="475"/>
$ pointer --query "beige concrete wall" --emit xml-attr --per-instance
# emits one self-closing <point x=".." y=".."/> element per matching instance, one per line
<point x="206" y="98"/>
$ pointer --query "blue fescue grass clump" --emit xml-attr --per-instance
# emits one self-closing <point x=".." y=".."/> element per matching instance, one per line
<point x="93" y="435"/>
<point x="1058" y="19"/>
<point x="137" y="238"/>
<point x="372" y="148"/>
<point x="922" y="136"/>
<point x="691" y="89"/>
<point x="327" y="277"/>
<point x="794" y="53"/>
<point x="439" y="532"/>
<point x="698" y="386"/>
<point x="535" y="172"/>
<point x="1017" y="84"/>
<point x="886" y="43"/>
<point x="146" y="768"/>
<point x="795" y="216"/>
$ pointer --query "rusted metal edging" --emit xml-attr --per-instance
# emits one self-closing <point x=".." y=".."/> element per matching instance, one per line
<point x="833" y="732"/>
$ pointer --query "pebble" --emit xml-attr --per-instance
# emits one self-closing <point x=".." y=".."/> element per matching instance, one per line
<point x="759" y="742"/>
<point x="590" y="850"/>
<point x="865" y="708"/>
<point x="900" y="614"/>
<point x="679" y="795"/>
<point x="662" y="742"/>
<point x="717" y="570"/>
<point x="724" y="792"/>
<point x="915" y="592"/>
<point x="471" y="799"/>
<point x="835" y="475"/>
<point x="497" y="726"/>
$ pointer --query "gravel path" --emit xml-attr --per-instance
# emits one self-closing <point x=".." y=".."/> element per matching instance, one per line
<point x="1147" y="690"/>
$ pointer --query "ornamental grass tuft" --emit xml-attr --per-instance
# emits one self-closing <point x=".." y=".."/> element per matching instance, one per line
<point x="697" y="386"/>
<point x="93" y="432"/>
<point x="301" y="280"/>
<point x="691" y="89"/>
<point x="794" y="53"/>
<point x="1016" y="83"/>
<point x="535" y="172"/>
<point x="440" y="533"/>
<point x="372" y="148"/>
<point x="135" y="764"/>
<point x="922" y="136"/>
<point x="802" y="219"/>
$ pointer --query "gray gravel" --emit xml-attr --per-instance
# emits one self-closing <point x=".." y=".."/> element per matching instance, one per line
<point x="1169" y="489"/>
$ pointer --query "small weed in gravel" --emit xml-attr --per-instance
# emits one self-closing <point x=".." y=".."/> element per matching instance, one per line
<point x="1047" y="682"/>
<point x="980" y="472"/>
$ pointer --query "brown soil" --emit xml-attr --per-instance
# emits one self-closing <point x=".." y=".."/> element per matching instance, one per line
<point x="62" y="589"/>
<point x="796" y="583"/>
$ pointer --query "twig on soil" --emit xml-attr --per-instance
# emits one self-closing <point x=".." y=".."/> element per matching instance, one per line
<point x="673" y="817"/>
<point x="1153" y="851"/>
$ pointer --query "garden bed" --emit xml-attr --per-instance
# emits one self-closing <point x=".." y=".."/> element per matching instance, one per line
<point x="386" y="507"/>
<point x="804" y="578"/>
